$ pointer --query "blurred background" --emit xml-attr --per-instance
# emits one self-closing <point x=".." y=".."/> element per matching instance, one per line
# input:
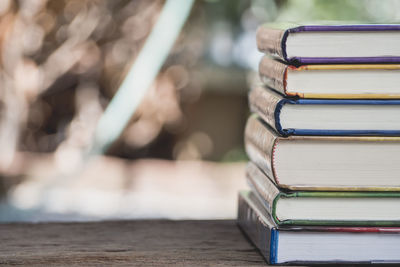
<point x="181" y="155"/>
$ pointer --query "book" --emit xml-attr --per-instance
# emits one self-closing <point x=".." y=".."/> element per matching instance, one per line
<point x="328" y="163"/>
<point x="325" y="208"/>
<point x="326" y="116"/>
<point x="322" y="44"/>
<point x="307" y="245"/>
<point x="359" y="81"/>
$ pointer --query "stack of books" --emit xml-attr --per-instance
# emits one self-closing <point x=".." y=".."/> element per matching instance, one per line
<point x="324" y="145"/>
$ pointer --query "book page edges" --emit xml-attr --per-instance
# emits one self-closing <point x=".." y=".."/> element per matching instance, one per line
<point x="340" y="67"/>
<point x="261" y="160"/>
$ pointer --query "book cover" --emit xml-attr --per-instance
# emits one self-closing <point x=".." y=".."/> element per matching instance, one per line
<point x="271" y="38"/>
<point x="268" y="105"/>
<point x="261" y="143"/>
<point x="274" y="73"/>
<point x="257" y="225"/>
<point x="269" y="194"/>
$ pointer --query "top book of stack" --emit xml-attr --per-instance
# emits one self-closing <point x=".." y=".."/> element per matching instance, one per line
<point x="331" y="44"/>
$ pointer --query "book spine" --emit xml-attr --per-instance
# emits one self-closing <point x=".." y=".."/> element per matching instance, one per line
<point x="267" y="105"/>
<point x="273" y="74"/>
<point x="262" y="185"/>
<point x="271" y="40"/>
<point x="260" y="158"/>
<point x="260" y="145"/>
<point x="256" y="230"/>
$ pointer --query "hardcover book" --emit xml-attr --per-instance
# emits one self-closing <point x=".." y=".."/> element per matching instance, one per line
<point x="324" y="208"/>
<point x="329" y="163"/>
<point x="360" y="81"/>
<point x="321" y="44"/>
<point x="326" y="116"/>
<point x="311" y="245"/>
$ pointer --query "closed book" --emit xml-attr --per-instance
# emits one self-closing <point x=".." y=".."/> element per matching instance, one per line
<point x="324" y="208"/>
<point x="329" y="163"/>
<point x="314" y="244"/>
<point x="344" y="81"/>
<point x="326" y="116"/>
<point x="321" y="44"/>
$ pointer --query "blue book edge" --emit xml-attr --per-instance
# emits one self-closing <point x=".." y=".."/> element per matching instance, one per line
<point x="312" y="132"/>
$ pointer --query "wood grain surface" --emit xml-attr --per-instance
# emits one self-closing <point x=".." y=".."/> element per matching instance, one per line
<point x="127" y="243"/>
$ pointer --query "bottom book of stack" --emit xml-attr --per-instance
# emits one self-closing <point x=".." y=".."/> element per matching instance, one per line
<point x="315" y="244"/>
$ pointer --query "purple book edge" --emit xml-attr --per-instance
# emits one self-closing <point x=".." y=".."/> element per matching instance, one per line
<point x="332" y="28"/>
<point x="341" y="60"/>
<point x="344" y="60"/>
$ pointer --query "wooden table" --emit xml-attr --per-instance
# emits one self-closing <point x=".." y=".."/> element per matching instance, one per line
<point x="143" y="242"/>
